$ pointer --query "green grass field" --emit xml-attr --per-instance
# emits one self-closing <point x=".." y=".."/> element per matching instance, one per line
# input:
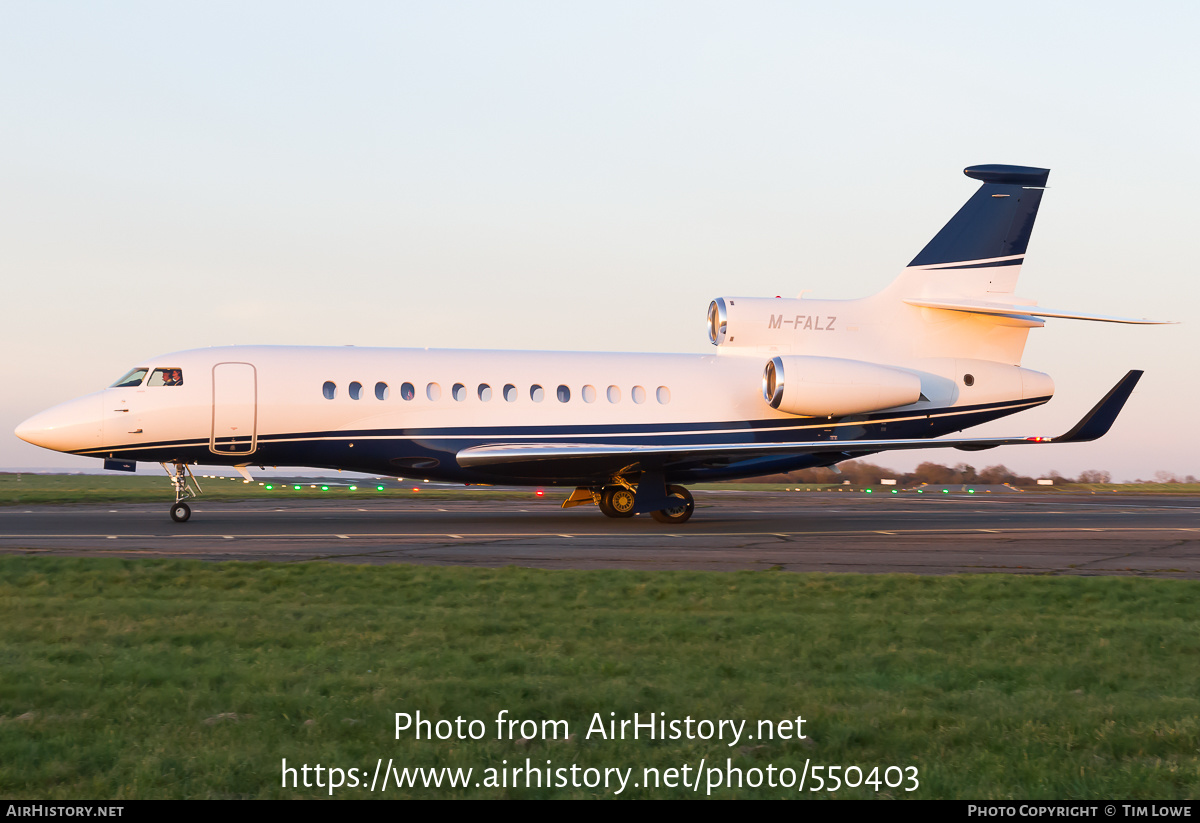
<point x="126" y="679"/>
<point x="147" y="487"/>
<point x="57" y="489"/>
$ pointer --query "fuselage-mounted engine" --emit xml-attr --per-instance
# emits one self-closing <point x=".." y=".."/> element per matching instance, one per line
<point x="833" y="387"/>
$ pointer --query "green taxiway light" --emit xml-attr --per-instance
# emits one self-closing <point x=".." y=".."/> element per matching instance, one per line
<point x="379" y="488"/>
<point x="970" y="491"/>
<point x="895" y="492"/>
<point x="324" y="488"/>
<point x="945" y="491"/>
<point x="868" y="491"/>
<point x="269" y="487"/>
<point x="354" y="488"/>
<point x="920" y="492"/>
<point x="297" y="488"/>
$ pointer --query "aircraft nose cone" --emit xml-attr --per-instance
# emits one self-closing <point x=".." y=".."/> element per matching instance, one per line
<point x="69" y="426"/>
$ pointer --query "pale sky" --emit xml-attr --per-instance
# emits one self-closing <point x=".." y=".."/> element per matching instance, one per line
<point x="586" y="176"/>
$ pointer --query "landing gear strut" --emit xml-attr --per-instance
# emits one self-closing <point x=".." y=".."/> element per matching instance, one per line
<point x="181" y="511"/>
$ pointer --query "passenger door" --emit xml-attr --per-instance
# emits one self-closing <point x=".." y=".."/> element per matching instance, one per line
<point x="235" y="409"/>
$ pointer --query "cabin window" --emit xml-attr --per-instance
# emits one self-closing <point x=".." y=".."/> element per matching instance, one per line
<point x="614" y="394"/>
<point x="381" y="391"/>
<point x="639" y="394"/>
<point x="329" y="390"/>
<point x="564" y="394"/>
<point x="459" y="392"/>
<point x="663" y="394"/>
<point x="510" y="393"/>
<point x="433" y="391"/>
<point x="536" y="393"/>
<point x="134" y="378"/>
<point x="407" y="392"/>
<point x="485" y="392"/>
<point x="166" y="377"/>
<point x="589" y="394"/>
<point x="969" y="379"/>
<point x="356" y="390"/>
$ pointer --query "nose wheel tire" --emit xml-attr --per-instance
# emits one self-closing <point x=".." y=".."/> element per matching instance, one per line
<point x="617" y="501"/>
<point x="678" y="513"/>
<point x="180" y="512"/>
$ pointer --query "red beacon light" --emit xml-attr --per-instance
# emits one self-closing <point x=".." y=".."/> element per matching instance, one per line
<point x="1038" y="439"/>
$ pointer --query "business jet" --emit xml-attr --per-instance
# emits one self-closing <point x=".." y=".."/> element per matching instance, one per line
<point x="791" y="384"/>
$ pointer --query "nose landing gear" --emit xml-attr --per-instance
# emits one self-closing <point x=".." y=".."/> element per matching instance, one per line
<point x="181" y="511"/>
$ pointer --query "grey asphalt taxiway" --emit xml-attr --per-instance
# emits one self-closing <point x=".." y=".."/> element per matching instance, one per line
<point x="833" y="532"/>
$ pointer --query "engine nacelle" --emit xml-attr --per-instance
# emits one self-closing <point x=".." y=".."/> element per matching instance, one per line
<point x="833" y="387"/>
<point x="739" y="325"/>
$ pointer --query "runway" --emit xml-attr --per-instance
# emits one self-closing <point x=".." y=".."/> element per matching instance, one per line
<point x="932" y="534"/>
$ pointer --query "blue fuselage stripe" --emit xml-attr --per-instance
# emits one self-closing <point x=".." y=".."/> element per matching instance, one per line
<point x="393" y="451"/>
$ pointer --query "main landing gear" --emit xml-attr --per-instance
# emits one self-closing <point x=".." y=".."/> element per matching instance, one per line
<point x="181" y="511"/>
<point x="681" y="511"/>
<point x="620" y="500"/>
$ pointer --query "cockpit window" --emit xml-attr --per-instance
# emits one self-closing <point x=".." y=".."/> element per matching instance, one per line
<point x="134" y="378"/>
<point x="166" y="377"/>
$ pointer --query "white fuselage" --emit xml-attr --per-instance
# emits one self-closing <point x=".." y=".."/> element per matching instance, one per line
<point x="408" y="411"/>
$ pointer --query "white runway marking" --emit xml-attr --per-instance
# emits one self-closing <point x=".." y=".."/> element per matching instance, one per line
<point x="640" y="535"/>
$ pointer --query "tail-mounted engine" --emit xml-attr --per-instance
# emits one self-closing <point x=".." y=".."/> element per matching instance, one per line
<point x="742" y="324"/>
<point x="832" y="387"/>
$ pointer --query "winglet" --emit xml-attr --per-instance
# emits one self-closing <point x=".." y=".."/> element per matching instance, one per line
<point x="1099" y="420"/>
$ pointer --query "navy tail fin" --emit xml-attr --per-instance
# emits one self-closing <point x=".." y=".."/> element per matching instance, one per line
<point x="993" y="228"/>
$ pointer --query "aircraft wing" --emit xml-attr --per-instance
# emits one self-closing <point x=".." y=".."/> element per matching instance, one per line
<point x="525" y="459"/>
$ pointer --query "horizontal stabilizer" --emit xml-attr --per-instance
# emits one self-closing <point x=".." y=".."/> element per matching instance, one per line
<point x="1018" y="310"/>
<point x="602" y="459"/>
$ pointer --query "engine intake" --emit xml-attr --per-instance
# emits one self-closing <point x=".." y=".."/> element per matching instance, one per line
<point x="832" y="387"/>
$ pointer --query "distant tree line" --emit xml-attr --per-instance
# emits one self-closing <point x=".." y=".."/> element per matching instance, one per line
<point x="862" y="473"/>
